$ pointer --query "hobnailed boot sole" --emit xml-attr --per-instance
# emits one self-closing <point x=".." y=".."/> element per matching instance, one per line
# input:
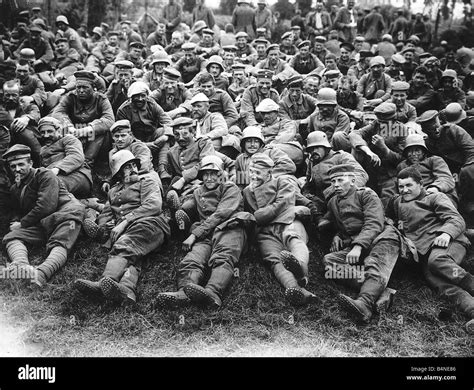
<point x="353" y="310"/>
<point x="165" y="301"/>
<point x="470" y="326"/>
<point x="85" y="287"/>
<point x="201" y="296"/>
<point x="295" y="296"/>
<point x="172" y="200"/>
<point x="290" y="262"/>
<point x="111" y="290"/>
<point x="90" y="228"/>
<point x="182" y="220"/>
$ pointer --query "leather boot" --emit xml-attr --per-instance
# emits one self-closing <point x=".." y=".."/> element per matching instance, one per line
<point x="128" y="284"/>
<point x="361" y="309"/>
<point x="291" y="263"/>
<point x="296" y="295"/>
<point x="467" y="283"/>
<point x="53" y="263"/>
<point x="385" y="301"/>
<point x="88" y="287"/>
<point x="115" y="267"/>
<point x="172" y="200"/>
<point x="172" y="300"/>
<point x="182" y="220"/>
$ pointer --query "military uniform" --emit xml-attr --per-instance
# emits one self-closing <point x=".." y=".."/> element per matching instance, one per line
<point x="306" y="65"/>
<point x="298" y="110"/>
<point x="455" y="95"/>
<point x="190" y="70"/>
<point x="368" y="86"/>
<point x="250" y="100"/>
<point x="422" y="98"/>
<point x="169" y="102"/>
<point x="336" y="127"/>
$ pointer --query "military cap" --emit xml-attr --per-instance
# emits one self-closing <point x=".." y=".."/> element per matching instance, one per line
<point x="424" y="55"/>
<point x="59" y="40"/>
<point x="400" y="86"/>
<point x="430" y="59"/>
<point x="124" y="64"/>
<point x="295" y="82"/>
<point x="171" y="74"/>
<point x="261" y="30"/>
<point x="208" y="31"/>
<point x="408" y="49"/>
<point x="449" y="73"/>
<point x="198" y="26"/>
<point x="188" y="46"/>
<point x="261" y="160"/>
<point x="119" y="125"/>
<point x="264" y="74"/>
<point x="85" y="75"/>
<point x="24" y="13"/>
<point x="377" y="60"/>
<point x="104" y="25"/>
<point x="241" y="34"/>
<point x="49" y="121"/>
<point x="62" y="19"/>
<point x="136" y="45"/>
<point x="365" y="54"/>
<point x="35" y="28"/>
<point x="36" y="9"/>
<point x="183" y="121"/>
<point x="238" y="66"/>
<point x="413" y="38"/>
<point x="39" y="22"/>
<point x="129" y="22"/>
<point x="398" y="58"/>
<point x="97" y="30"/>
<point x="387" y="37"/>
<point x="332" y="74"/>
<point x="23" y="20"/>
<point x="232" y="48"/>
<point x="267" y="105"/>
<point x="385" y="111"/>
<point x="296" y="27"/>
<point x="320" y="39"/>
<point x="136" y="88"/>
<point x="341" y="170"/>
<point x="16" y="152"/>
<point x="359" y="38"/>
<point x="347" y="45"/>
<point x="288" y="34"/>
<point x="427" y="116"/>
<point x="414" y="140"/>
<point x="304" y="43"/>
<point x="198" y="98"/>
<point x="273" y="46"/>
<point x="262" y="41"/>
<point x="453" y="113"/>
<point x="110" y="33"/>
<point x="212" y="162"/>
<point x="27" y="54"/>
<point x="160" y="57"/>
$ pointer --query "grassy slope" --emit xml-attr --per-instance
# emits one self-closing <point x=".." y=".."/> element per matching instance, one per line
<point x="254" y="320"/>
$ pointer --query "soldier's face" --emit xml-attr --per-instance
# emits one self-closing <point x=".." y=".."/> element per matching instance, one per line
<point x="20" y="168"/>
<point x="258" y="175"/>
<point x="62" y="26"/>
<point x="211" y="179"/>
<point x="251" y="145"/>
<point x="343" y="183"/>
<point x="447" y="83"/>
<point x="130" y="172"/>
<point x="409" y="189"/>
<point x="238" y="75"/>
<point x="139" y="100"/>
<point x="287" y="41"/>
<point x="49" y="135"/>
<point x="304" y="51"/>
<point x="207" y="88"/>
<point x="22" y="72"/>
<point x="408" y="56"/>
<point x="399" y="98"/>
<point x="122" y="139"/>
<point x="331" y="64"/>
<point x="200" y="109"/>
<point x="415" y="154"/>
<point x="183" y="135"/>
<point x="377" y="70"/>
<point x="260" y="50"/>
<point x="419" y="80"/>
<point x="189" y="56"/>
<point x="295" y="93"/>
<point x="35" y="36"/>
<point x="273" y="56"/>
<point x="264" y="85"/>
<point x="344" y="54"/>
<point x="311" y="86"/>
<point x="207" y="38"/>
<point x="269" y="117"/>
<point x="11" y="97"/>
<point x="317" y="153"/>
<point x="170" y="86"/>
<point x="318" y="46"/>
<point x="135" y="52"/>
<point x="215" y="70"/>
<point x="158" y="67"/>
<point x="432" y="128"/>
<point x="326" y="109"/>
<point x="241" y="42"/>
<point x="358" y="46"/>
<point x="175" y="40"/>
<point x="84" y="90"/>
<point x="125" y="78"/>
<point x="113" y="40"/>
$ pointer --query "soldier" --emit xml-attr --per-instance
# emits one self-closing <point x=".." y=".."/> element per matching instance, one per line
<point x="216" y="242"/>
<point x="421" y="94"/>
<point x="43" y="51"/>
<point x="127" y="35"/>
<point x="118" y="88"/>
<point x="174" y="49"/>
<point x="44" y="212"/>
<point x="281" y="238"/>
<point x="287" y="48"/>
<point x="149" y="122"/>
<point x="254" y="94"/>
<point x="63" y="155"/>
<point x="261" y="51"/>
<point x="240" y="83"/>
<point x="86" y="114"/>
<point x="191" y="64"/>
<point x="305" y="62"/>
<point x="264" y="18"/>
<point x="450" y="91"/>
<point x="154" y="77"/>
<point x="395" y="69"/>
<point x="133" y="215"/>
<point x="364" y="251"/>
<point x="172" y="15"/>
<point x="409" y="66"/>
<point x="215" y="68"/>
<point x="405" y="111"/>
<point x="245" y="51"/>
<point x="362" y="66"/>
<point x="278" y="131"/>
<point x="243" y="18"/>
<point x="65" y="31"/>
<point x="345" y="60"/>
<point x="207" y="47"/>
<point x="319" y="50"/>
<point x="134" y="54"/>
<point x="253" y="142"/>
<point x="435" y="228"/>
<point x="375" y="86"/>
<point x="330" y="119"/>
<point x="22" y="117"/>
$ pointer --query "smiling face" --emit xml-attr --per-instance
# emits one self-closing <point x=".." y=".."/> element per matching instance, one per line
<point x="207" y="88"/>
<point x="49" y="134"/>
<point x="409" y="189"/>
<point x="269" y="117"/>
<point x="211" y="179"/>
<point x="252" y="145"/>
<point x="258" y="175"/>
<point x="139" y="100"/>
<point x="263" y="86"/>
<point x="130" y="172"/>
<point x="20" y="168"/>
<point x="184" y="135"/>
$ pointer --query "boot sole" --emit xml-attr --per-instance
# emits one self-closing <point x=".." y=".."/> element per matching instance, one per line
<point x="170" y="302"/>
<point x="352" y="310"/>
<point x="293" y="265"/>
<point x="172" y="200"/>
<point x="85" y="289"/>
<point x="111" y="290"/>
<point x="90" y="228"/>
<point x="295" y="296"/>
<point x="182" y="220"/>
<point x="198" y="295"/>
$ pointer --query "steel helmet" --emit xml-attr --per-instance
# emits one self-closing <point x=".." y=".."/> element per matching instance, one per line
<point x="327" y="96"/>
<point x="63" y="19"/>
<point x="119" y="159"/>
<point x="215" y="60"/>
<point x="317" y="138"/>
<point x="136" y="88"/>
<point x="414" y="140"/>
<point x="251" y="132"/>
<point x="211" y="163"/>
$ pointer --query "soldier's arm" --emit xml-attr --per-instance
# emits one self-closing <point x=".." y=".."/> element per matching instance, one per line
<point x="106" y="120"/>
<point x="444" y="180"/>
<point x="150" y="200"/>
<point x="284" y="198"/>
<point x="373" y="219"/>
<point x="74" y="155"/>
<point x="247" y="109"/>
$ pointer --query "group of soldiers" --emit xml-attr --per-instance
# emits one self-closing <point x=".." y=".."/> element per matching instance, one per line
<point x="362" y="145"/>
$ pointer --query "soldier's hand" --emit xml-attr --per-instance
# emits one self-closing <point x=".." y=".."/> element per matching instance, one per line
<point x="178" y="185"/>
<point x="118" y="230"/>
<point x="160" y="141"/>
<point x="189" y="242"/>
<point x="19" y="124"/>
<point x="432" y="190"/>
<point x="55" y="171"/>
<point x="15" y="226"/>
<point x="59" y="92"/>
<point x="374" y="159"/>
<point x="377" y="140"/>
<point x="337" y="244"/>
<point x="353" y="256"/>
<point x="106" y="187"/>
<point x="442" y="240"/>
